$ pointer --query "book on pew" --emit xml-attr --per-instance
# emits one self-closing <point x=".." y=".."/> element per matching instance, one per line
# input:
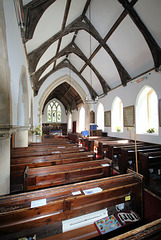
<point x="115" y="221"/>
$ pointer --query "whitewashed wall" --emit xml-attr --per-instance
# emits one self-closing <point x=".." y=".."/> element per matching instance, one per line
<point x="75" y="117"/>
<point x="17" y="58"/>
<point x="128" y="95"/>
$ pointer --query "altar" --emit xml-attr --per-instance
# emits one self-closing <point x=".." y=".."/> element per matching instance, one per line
<point x="51" y="128"/>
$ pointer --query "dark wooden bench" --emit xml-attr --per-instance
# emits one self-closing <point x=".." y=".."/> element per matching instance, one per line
<point x="37" y="178"/>
<point x="42" y="147"/>
<point x="150" y="160"/>
<point x="91" y="143"/>
<point x="18" y="165"/>
<point x="127" y="156"/>
<point x="39" y="151"/>
<point x="73" y="137"/>
<point x="23" y="214"/>
<point x="103" y="146"/>
<point x="114" y="149"/>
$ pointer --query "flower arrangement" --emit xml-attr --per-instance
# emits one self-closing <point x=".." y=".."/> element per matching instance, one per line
<point x="118" y="129"/>
<point x="150" y="130"/>
<point x="37" y="131"/>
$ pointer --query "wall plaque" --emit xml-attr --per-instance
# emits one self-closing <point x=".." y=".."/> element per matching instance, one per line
<point x="129" y="116"/>
<point x="107" y="117"/>
<point x="159" y="104"/>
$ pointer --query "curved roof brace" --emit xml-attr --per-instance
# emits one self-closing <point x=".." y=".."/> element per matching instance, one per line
<point x="32" y="14"/>
<point x="154" y="47"/>
<point x="108" y="35"/>
<point x="72" y="48"/>
<point x="124" y="76"/>
<point x="78" y="24"/>
<point x="65" y="64"/>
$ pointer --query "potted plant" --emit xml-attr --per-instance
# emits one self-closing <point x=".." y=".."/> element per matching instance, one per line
<point x="150" y="130"/>
<point x="118" y="129"/>
<point x="37" y="131"/>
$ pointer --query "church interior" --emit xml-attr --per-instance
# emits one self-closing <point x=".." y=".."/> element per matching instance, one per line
<point x="80" y="119"/>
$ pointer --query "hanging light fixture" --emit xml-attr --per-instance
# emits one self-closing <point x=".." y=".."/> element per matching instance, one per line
<point x="90" y="101"/>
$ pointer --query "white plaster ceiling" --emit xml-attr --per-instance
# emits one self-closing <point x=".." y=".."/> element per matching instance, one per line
<point x="126" y="42"/>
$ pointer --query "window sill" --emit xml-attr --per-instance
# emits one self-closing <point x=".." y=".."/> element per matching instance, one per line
<point x="149" y="134"/>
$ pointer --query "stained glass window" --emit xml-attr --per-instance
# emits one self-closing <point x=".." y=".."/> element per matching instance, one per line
<point x="54" y="112"/>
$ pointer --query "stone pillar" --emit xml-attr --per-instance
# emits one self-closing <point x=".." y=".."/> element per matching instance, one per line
<point x="21" y="137"/>
<point x="4" y="163"/>
<point x="5" y="108"/>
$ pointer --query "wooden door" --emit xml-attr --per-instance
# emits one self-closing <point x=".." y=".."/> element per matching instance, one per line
<point x="74" y="127"/>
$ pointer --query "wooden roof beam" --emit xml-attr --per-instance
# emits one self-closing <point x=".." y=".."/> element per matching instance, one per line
<point x="68" y="3"/>
<point x="32" y="14"/>
<point x="73" y="48"/>
<point x="108" y="35"/>
<point x="66" y="64"/>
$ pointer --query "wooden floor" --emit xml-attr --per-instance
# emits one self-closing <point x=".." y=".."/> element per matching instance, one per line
<point x="83" y="233"/>
<point x="89" y="232"/>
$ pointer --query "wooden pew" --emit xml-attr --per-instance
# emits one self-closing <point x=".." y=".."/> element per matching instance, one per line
<point x="73" y="137"/>
<point x="24" y="213"/>
<point x="57" y="157"/>
<point x="37" y="178"/>
<point x="128" y="154"/>
<point x="103" y="146"/>
<point x="41" y="151"/>
<point x="43" y="146"/>
<point x="91" y="143"/>
<point x="150" y="160"/>
<point x="18" y="165"/>
<point x="115" y="148"/>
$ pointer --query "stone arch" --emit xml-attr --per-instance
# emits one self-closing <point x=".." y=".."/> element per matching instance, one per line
<point x="53" y="85"/>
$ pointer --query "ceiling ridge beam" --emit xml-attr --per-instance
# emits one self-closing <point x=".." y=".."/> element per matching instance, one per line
<point x="152" y="44"/>
<point x="83" y="13"/>
<point x="68" y="3"/>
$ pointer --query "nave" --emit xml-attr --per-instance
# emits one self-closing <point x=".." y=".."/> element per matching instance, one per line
<point x="64" y="184"/>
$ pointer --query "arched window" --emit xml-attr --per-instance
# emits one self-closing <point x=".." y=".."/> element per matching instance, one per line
<point x="100" y="116"/>
<point x="54" y="112"/>
<point x="69" y="122"/>
<point x="82" y="119"/>
<point x="147" y="111"/>
<point x="117" y="115"/>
